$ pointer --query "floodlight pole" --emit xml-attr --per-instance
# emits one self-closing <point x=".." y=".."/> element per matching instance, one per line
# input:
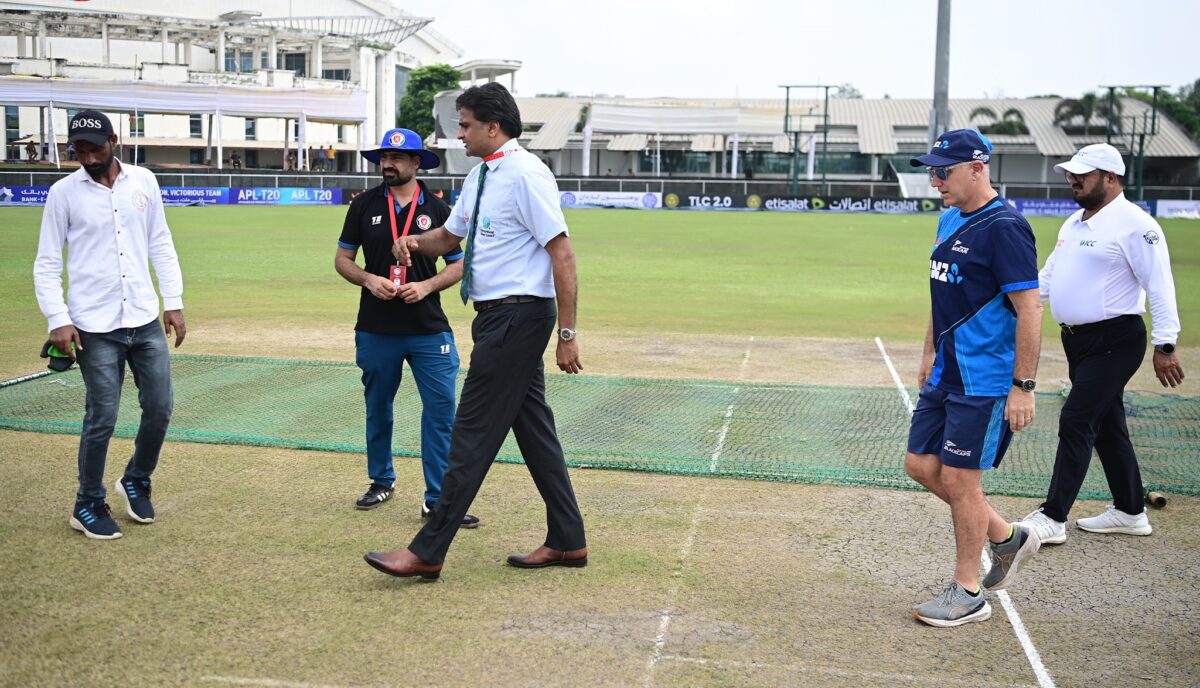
<point x="1137" y="156"/>
<point x="787" y="127"/>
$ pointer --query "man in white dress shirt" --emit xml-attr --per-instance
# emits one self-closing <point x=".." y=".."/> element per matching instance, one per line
<point x="110" y="215"/>
<point x="518" y="260"/>
<point x="1110" y="255"/>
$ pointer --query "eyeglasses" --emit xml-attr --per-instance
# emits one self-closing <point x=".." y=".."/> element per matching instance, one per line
<point x="943" y="172"/>
<point x="1072" y="177"/>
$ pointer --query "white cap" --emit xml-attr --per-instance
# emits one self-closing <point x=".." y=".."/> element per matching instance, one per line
<point x="1098" y="156"/>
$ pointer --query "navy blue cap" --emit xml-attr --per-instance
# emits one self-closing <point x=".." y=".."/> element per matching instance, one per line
<point x="91" y="126"/>
<point x="959" y="145"/>
<point x="405" y="140"/>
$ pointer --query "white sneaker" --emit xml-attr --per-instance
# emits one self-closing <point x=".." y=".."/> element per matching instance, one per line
<point x="1049" y="531"/>
<point x="1113" y="520"/>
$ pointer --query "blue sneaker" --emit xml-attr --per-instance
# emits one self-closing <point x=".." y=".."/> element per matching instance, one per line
<point x="93" y="520"/>
<point x="136" y="492"/>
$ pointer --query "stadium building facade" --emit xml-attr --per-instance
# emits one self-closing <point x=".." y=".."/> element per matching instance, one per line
<point x="353" y="56"/>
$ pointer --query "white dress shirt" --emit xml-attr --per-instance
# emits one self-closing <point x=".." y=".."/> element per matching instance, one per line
<point x="518" y="215"/>
<point x="1105" y="266"/>
<point x="110" y="235"/>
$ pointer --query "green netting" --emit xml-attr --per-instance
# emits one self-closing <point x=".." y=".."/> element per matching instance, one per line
<point x="804" y="433"/>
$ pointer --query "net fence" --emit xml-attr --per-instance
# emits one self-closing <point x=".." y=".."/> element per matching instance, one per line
<point x="796" y="433"/>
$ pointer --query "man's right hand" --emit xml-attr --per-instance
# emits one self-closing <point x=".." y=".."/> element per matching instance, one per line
<point x="62" y="338"/>
<point x="403" y="249"/>
<point x="926" y="370"/>
<point x="381" y="288"/>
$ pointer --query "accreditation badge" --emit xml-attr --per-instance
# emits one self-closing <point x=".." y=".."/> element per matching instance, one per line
<point x="399" y="274"/>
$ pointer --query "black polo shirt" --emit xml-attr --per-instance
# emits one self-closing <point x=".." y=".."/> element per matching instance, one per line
<point x="367" y="226"/>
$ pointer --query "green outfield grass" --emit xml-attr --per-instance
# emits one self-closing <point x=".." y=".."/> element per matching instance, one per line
<point x="781" y="274"/>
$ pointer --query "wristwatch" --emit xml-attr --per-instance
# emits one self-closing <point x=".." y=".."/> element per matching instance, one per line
<point x="1167" y="348"/>
<point x="566" y="334"/>
<point x="1026" y="385"/>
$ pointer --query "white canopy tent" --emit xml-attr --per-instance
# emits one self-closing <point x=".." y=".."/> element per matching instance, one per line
<point x="305" y="105"/>
<point x="668" y="119"/>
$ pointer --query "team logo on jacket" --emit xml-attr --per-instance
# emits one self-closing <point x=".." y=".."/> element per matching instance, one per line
<point x="1151" y="237"/>
<point x="424" y="222"/>
<point x="141" y="200"/>
<point x="944" y="272"/>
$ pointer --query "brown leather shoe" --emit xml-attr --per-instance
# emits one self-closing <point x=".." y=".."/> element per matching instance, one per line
<point x="544" y="556"/>
<point x="403" y="564"/>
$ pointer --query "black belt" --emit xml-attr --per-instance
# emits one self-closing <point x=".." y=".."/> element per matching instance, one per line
<point x="1098" y="325"/>
<point x="481" y="306"/>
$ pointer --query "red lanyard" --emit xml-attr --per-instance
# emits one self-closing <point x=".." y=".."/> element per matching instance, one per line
<point x="499" y="154"/>
<point x="412" y="208"/>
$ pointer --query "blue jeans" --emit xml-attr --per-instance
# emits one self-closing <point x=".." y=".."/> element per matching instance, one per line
<point x="102" y="361"/>
<point x="433" y="360"/>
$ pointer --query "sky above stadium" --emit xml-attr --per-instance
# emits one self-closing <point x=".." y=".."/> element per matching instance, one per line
<point x="747" y="48"/>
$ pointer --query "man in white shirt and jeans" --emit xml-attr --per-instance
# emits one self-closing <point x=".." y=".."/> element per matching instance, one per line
<point x="1110" y="255"/>
<point x="110" y="215"/>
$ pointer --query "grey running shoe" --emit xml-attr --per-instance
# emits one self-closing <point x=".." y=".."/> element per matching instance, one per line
<point x="954" y="607"/>
<point x="1009" y="557"/>
<point x="1049" y="531"/>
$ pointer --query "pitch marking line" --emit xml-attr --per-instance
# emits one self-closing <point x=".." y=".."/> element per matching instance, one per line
<point x="1031" y="653"/>
<point x="664" y="624"/>
<point x="260" y="682"/>
<point x="859" y="676"/>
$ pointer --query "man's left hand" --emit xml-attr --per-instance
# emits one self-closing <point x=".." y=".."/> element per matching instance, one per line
<point x="413" y="292"/>
<point x="568" y="356"/>
<point x="1168" y="369"/>
<point x="174" y="319"/>
<point x="1019" y="410"/>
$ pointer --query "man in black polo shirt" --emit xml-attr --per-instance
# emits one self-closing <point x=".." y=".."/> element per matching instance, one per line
<point x="400" y="314"/>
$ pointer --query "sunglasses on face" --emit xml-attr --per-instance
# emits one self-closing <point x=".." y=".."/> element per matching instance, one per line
<point x="1072" y="177"/>
<point x="943" y="172"/>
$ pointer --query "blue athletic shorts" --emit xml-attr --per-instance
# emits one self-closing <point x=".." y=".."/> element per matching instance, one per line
<point x="966" y="432"/>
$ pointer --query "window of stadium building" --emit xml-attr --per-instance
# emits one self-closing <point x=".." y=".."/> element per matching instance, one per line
<point x="230" y="62"/>
<point x="12" y="123"/>
<point x="341" y="133"/>
<point x="295" y="62"/>
<point x="251" y="129"/>
<point x="246" y="60"/>
<point x="336" y="74"/>
<point x="196" y="156"/>
<point x="251" y="158"/>
<point x="196" y="126"/>
<point x="137" y="155"/>
<point x="677" y="162"/>
<point x="137" y="125"/>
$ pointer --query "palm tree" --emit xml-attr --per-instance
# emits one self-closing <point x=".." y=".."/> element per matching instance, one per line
<point x="1011" y="123"/>
<point x="1086" y="107"/>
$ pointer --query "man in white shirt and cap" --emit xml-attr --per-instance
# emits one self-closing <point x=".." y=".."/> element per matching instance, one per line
<point x="111" y="216"/>
<point x="1110" y="255"/>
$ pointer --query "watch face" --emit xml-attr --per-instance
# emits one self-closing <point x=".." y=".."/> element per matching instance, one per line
<point x="1166" y="348"/>
<point x="566" y="334"/>
<point x="1028" y="385"/>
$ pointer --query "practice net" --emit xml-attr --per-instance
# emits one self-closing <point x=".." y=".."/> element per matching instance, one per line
<point x="796" y="433"/>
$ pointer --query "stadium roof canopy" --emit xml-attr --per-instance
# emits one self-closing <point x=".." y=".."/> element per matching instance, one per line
<point x="384" y="32"/>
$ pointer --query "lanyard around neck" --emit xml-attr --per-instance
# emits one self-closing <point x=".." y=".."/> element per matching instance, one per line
<point x="412" y="208"/>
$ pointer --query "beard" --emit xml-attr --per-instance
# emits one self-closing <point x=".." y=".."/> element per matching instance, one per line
<point x="97" y="170"/>
<point x="1092" y="199"/>
<point x="393" y="178"/>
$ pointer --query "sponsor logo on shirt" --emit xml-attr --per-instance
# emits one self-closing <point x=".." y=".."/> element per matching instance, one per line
<point x="953" y="449"/>
<point x="424" y="222"/>
<point x="944" y="272"/>
<point x="959" y="247"/>
<point x="376" y="219"/>
<point x="445" y="348"/>
<point x="1087" y="242"/>
<point x="1151" y="237"/>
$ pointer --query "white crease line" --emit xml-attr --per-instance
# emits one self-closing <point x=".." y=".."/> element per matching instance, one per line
<point x="895" y="376"/>
<point x="263" y="682"/>
<point x="892" y="678"/>
<point x="1031" y="653"/>
<point x="664" y="623"/>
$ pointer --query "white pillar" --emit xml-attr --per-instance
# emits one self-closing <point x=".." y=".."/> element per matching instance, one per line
<point x="220" y="143"/>
<point x="187" y="52"/>
<point x="221" y="51"/>
<point x="472" y="77"/>
<point x="733" y="169"/>
<point x="164" y="45"/>
<point x="587" y="151"/>
<point x="105" y="47"/>
<point x="512" y="82"/>
<point x="21" y="44"/>
<point x="273" y="60"/>
<point x="318" y="62"/>
<point x="39" y="43"/>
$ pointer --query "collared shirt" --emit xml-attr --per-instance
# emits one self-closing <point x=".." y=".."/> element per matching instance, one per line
<point x="368" y="225"/>
<point x="518" y="215"/>
<point x="977" y="259"/>
<point x="111" y="235"/>
<point x="1103" y="267"/>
